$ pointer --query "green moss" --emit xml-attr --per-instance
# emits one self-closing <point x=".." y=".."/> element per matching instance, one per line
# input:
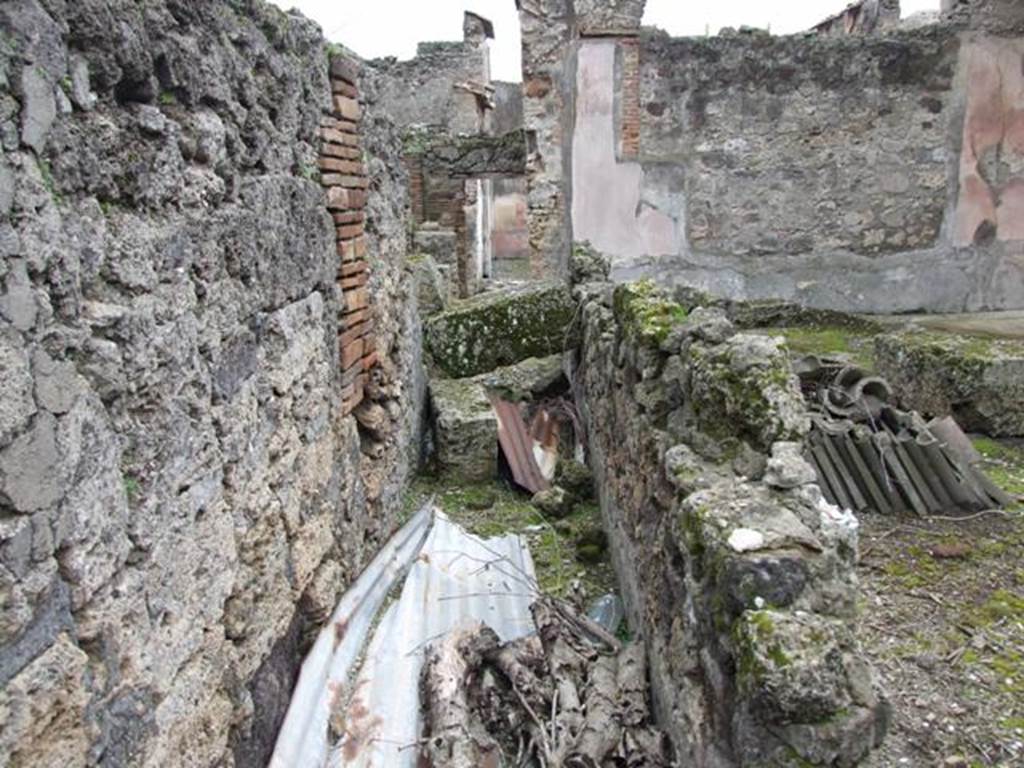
<point x="644" y="312"/>
<point x="501" y="328"/>
<point x="1004" y="464"/>
<point x="828" y="340"/>
<point x="166" y="98"/>
<point x="489" y="509"/>
<point x="48" y="181"/>
<point x="131" y="488"/>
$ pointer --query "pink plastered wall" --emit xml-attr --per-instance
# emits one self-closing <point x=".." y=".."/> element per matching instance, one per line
<point x="991" y="197"/>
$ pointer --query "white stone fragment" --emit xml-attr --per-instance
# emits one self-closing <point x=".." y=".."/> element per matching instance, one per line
<point x="746" y="540"/>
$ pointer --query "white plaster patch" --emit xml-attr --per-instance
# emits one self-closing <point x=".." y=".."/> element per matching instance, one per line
<point x="746" y="540"/>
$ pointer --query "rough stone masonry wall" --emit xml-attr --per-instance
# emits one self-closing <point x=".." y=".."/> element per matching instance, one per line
<point x="855" y="172"/>
<point x="181" y="497"/>
<point x="737" y="574"/>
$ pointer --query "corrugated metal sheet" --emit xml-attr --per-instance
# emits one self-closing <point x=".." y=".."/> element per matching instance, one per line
<point x="302" y="740"/>
<point x="456" y="578"/>
<point x="517" y="445"/>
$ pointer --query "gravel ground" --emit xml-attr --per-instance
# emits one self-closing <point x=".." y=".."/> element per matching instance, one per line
<point x="943" y="620"/>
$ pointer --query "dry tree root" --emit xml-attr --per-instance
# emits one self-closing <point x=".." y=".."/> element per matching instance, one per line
<point x="567" y="697"/>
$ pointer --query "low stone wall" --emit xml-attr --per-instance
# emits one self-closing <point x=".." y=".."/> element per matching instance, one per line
<point x="736" y="572"/>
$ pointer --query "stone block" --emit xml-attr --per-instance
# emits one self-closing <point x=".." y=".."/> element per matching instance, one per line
<point x="466" y="427"/>
<point x="978" y="381"/>
<point x="501" y="328"/>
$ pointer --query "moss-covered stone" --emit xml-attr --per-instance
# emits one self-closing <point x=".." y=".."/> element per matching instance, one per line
<point x="979" y="381"/>
<point x="746" y="388"/>
<point x="791" y="666"/>
<point x="501" y="328"/>
<point x="645" y="313"/>
<point x="466" y="429"/>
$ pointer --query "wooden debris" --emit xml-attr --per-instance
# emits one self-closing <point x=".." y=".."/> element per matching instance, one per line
<point x="564" y="698"/>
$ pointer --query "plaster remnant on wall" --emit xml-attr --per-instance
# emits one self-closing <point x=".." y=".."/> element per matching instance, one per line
<point x="991" y="201"/>
<point x="608" y="207"/>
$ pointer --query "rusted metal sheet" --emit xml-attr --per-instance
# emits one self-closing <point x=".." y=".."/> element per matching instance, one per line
<point x="518" y="446"/>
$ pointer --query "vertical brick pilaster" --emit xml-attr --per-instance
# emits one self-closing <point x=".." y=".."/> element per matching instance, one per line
<point x="629" y="147"/>
<point x="344" y="178"/>
<point x="462" y="249"/>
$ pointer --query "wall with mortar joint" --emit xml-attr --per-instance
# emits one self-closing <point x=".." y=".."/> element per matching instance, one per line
<point x="182" y="499"/>
<point x="818" y="170"/>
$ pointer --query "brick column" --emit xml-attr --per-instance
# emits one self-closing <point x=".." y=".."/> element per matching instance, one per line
<point x="629" y="148"/>
<point x="343" y="176"/>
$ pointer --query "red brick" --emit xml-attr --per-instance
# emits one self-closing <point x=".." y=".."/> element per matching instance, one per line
<point x="356" y="299"/>
<point x="360" y="244"/>
<point x="346" y="108"/>
<point x="349" y="217"/>
<point x="356" y="198"/>
<point x="333" y="123"/>
<point x="370" y="360"/>
<point x="339" y="180"/>
<point x="344" y="68"/>
<point x="357" y="332"/>
<point x="348" y="231"/>
<point x="351" y="352"/>
<point x="355" y="281"/>
<point x="349" y="138"/>
<point x="352" y="268"/>
<point x="347" y="250"/>
<point x="337" y="198"/>
<point x="355" y="318"/>
<point x="347" y="167"/>
<point x="330" y="149"/>
<point x="344" y="89"/>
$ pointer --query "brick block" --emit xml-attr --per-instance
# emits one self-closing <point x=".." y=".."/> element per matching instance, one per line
<point x="349" y="217"/>
<point x="347" y="250"/>
<point x="355" y="281"/>
<point x="347" y="108"/>
<point x="345" y="167"/>
<point x="341" y="151"/>
<point x="344" y="89"/>
<point x="356" y="299"/>
<point x="352" y="268"/>
<point x="360" y="244"/>
<point x="370" y="360"/>
<point x="340" y="180"/>
<point x="332" y="123"/>
<point x="349" y="231"/>
<point x="353" y="319"/>
<point x="337" y="199"/>
<point x="349" y="335"/>
<point x="345" y="137"/>
<point x="351" y="352"/>
<point x="344" y="68"/>
<point x="356" y="198"/>
<point x="350" y="374"/>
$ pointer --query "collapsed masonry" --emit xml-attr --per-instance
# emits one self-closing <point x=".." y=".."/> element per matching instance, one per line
<point x="214" y="391"/>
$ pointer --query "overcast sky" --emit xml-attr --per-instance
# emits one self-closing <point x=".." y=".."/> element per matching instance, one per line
<point x="374" y="28"/>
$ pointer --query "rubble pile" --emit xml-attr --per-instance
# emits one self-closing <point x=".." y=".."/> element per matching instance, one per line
<point x="570" y="695"/>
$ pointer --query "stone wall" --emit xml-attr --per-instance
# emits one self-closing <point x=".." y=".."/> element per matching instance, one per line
<point x="181" y="497"/>
<point x="834" y="171"/>
<point x="736" y="572"/>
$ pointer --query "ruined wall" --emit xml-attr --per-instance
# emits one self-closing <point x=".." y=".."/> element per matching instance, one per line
<point x="737" y="574"/>
<point x="817" y="169"/>
<point x="861" y="18"/>
<point x="181" y="498"/>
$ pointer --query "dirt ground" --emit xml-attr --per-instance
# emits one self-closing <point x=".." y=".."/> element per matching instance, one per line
<point x="943" y="620"/>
